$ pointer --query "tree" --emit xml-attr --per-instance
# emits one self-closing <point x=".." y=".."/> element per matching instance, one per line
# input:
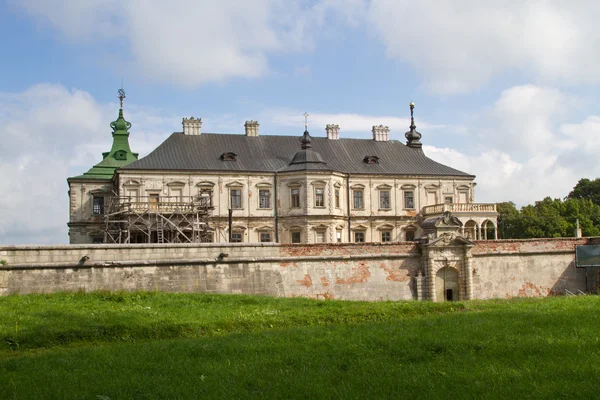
<point x="586" y="189"/>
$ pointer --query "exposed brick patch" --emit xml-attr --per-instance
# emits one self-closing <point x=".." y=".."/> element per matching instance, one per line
<point x="395" y="276"/>
<point x="307" y="281"/>
<point x="326" y="296"/>
<point x="342" y="249"/>
<point x="324" y="281"/>
<point x="361" y="275"/>
<point x="528" y="245"/>
<point x="529" y="290"/>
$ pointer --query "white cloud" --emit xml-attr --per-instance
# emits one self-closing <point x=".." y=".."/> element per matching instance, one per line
<point x="459" y="45"/>
<point x="189" y="42"/>
<point x="359" y="125"/>
<point x="48" y="133"/>
<point x="522" y="149"/>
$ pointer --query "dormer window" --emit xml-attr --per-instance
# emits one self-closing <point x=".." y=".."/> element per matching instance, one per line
<point x="121" y="155"/>
<point x="229" y="156"/>
<point x="371" y="160"/>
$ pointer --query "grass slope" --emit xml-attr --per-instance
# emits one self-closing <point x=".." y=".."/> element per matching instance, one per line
<point x="154" y="345"/>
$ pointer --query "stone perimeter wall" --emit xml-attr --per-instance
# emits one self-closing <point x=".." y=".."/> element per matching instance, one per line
<point x="370" y="271"/>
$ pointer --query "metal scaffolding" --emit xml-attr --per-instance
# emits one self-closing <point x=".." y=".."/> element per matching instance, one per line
<point x="155" y="219"/>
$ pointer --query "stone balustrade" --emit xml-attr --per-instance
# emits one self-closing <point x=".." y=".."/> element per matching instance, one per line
<point x="459" y="208"/>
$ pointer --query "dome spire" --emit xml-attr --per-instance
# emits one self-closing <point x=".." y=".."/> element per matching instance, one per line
<point x="413" y="137"/>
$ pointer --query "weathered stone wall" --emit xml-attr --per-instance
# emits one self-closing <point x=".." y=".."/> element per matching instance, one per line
<point x="531" y="267"/>
<point x="369" y="271"/>
<point x="342" y="271"/>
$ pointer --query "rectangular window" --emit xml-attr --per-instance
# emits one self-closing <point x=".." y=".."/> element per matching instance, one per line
<point x="410" y="235"/>
<point x="338" y="235"/>
<point x="462" y="197"/>
<point x="296" y="237"/>
<point x="337" y="198"/>
<point x="153" y="200"/>
<point x="133" y="194"/>
<point x="386" y="236"/>
<point x="319" y="200"/>
<point x="295" y="194"/>
<point x="448" y="199"/>
<point x="236" y="237"/>
<point x="205" y="198"/>
<point x="320" y="237"/>
<point x="432" y="198"/>
<point x="358" y="199"/>
<point x="97" y="239"/>
<point x="236" y="198"/>
<point x="264" y="198"/>
<point x="265" y="237"/>
<point x="176" y="195"/>
<point x="98" y="205"/>
<point x="384" y="199"/>
<point x="409" y="199"/>
<point x="359" y="237"/>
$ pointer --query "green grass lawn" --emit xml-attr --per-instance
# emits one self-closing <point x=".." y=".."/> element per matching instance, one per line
<point x="170" y="346"/>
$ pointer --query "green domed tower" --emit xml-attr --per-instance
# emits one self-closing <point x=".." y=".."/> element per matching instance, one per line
<point x="87" y="192"/>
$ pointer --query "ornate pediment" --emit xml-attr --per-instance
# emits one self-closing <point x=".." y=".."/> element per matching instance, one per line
<point x="449" y="239"/>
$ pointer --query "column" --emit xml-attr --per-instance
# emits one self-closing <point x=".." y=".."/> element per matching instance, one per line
<point x="468" y="262"/>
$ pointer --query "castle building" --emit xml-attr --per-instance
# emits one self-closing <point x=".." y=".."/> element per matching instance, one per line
<point x="208" y="187"/>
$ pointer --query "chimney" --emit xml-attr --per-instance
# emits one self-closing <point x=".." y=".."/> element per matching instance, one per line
<point x="333" y="131"/>
<point x="191" y="126"/>
<point x="381" y="133"/>
<point x="251" y="128"/>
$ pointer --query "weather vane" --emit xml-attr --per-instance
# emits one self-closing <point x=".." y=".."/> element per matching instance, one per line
<point x="121" y="95"/>
<point x="305" y="121"/>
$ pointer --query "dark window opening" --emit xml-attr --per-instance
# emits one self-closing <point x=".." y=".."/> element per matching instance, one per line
<point x="236" y="198"/>
<point x="319" y="197"/>
<point x="371" y="160"/>
<point x="384" y="199"/>
<point x="265" y="237"/>
<point x="449" y="295"/>
<point x="359" y="237"/>
<point x="358" y="199"/>
<point x="386" y="236"/>
<point x="236" y="237"/>
<point x="410" y="236"/>
<point x="409" y="199"/>
<point x="229" y="156"/>
<point x="264" y="198"/>
<point x="98" y="206"/>
<point x="296" y="237"/>
<point x="337" y="198"/>
<point x="295" y="193"/>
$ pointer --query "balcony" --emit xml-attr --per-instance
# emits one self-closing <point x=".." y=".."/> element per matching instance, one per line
<point x="162" y="205"/>
<point x="457" y="209"/>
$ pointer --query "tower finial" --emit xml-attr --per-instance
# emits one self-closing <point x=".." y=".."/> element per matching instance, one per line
<point x="413" y="137"/>
<point x="305" y="121"/>
<point x="121" y="95"/>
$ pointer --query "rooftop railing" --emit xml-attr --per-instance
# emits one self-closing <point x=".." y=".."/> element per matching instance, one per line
<point x="164" y="204"/>
<point x="459" y="208"/>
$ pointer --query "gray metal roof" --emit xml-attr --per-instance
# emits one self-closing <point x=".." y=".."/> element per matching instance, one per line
<point x="271" y="153"/>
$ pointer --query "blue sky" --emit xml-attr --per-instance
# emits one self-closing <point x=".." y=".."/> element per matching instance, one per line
<point x="505" y="92"/>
